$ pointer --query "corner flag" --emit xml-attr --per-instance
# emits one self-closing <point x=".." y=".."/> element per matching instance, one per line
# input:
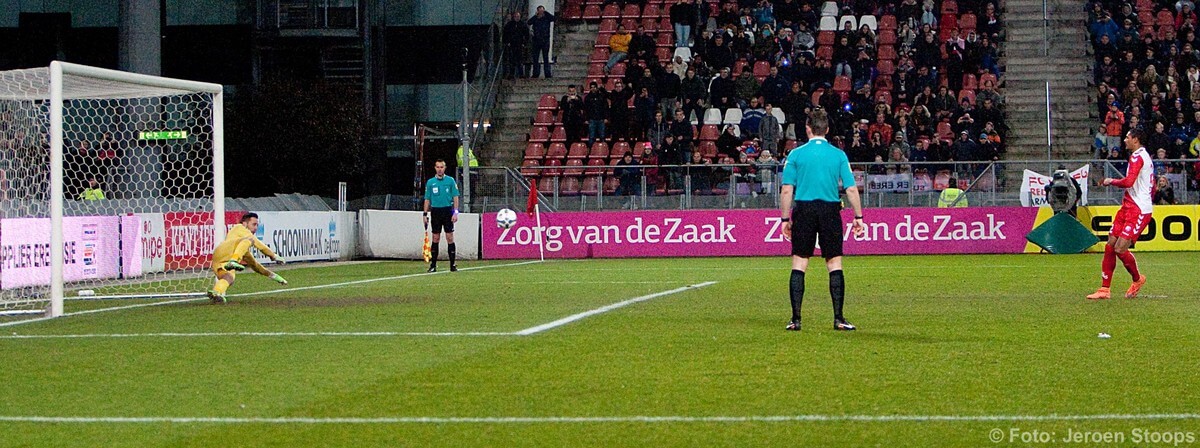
<point x="531" y="204"/>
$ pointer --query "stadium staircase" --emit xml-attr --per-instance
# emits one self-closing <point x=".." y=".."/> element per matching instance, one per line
<point x="518" y="99"/>
<point x="1034" y="55"/>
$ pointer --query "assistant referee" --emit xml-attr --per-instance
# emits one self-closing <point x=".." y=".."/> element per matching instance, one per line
<point x="441" y="210"/>
<point x="811" y="176"/>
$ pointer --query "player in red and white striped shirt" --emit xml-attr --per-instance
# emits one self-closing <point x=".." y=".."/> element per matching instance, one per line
<point x="1131" y="219"/>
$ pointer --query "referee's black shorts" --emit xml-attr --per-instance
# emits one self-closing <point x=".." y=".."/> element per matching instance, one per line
<point x="439" y="219"/>
<point x="817" y="219"/>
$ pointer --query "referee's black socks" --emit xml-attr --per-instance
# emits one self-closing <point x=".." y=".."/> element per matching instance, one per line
<point x="450" y="250"/>
<point x="837" y="290"/>
<point x="797" y="292"/>
<point x="433" y="251"/>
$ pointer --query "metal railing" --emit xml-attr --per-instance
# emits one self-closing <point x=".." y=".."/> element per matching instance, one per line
<point x="314" y="14"/>
<point x="914" y="184"/>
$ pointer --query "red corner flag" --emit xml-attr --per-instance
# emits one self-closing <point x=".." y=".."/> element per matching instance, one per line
<point x="531" y="204"/>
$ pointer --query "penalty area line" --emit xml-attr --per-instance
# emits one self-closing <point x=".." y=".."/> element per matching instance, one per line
<point x="259" y="293"/>
<point x="607" y="308"/>
<point x="815" y="418"/>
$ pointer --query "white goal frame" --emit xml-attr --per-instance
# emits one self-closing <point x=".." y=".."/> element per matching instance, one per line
<point x="57" y="70"/>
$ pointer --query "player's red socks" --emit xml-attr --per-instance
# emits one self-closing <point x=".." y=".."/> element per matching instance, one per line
<point x="1130" y="264"/>
<point x="1108" y="265"/>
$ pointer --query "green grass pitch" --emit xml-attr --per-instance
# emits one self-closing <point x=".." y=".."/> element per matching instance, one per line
<point x="949" y="350"/>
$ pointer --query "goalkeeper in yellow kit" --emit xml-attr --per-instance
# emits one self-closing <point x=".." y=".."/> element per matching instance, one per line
<point x="233" y="255"/>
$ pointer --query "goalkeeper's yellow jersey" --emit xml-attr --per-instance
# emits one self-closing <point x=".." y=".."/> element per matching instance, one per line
<point x="239" y="233"/>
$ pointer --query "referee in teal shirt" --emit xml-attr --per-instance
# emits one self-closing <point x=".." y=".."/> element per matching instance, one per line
<point x="441" y="210"/>
<point x="811" y="176"/>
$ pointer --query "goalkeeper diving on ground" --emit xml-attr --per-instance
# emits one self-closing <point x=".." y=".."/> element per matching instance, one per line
<point x="233" y="255"/>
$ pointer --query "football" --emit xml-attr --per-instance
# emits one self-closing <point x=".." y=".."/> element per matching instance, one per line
<point x="505" y="218"/>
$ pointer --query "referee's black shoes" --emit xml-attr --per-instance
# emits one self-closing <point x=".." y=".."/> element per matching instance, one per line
<point x="842" y="325"/>
<point x="432" y="269"/>
<point x="794" y="325"/>
<point x="453" y="268"/>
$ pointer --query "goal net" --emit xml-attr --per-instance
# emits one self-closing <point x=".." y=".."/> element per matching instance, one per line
<point x="111" y="186"/>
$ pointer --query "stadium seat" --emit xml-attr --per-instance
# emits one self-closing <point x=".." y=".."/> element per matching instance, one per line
<point x="1165" y="32"/>
<point x="611" y="164"/>
<point x="826" y="37"/>
<point x="557" y="151"/>
<point x="611" y="184"/>
<point x="825" y="52"/>
<point x="948" y="22"/>
<point x="886" y="67"/>
<point x="600" y="150"/>
<point x="591" y="12"/>
<point x="883" y="82"/>
<point x="684" y="52"/>
<point x="664" y="54"/>
<point x="829" y="9"/>
<point x="608" y="26"/>
<point x="886" y="37"/>
<point x="572" y="11"/>
<point x="546" y="185"/>
<point x="547" y="103"/>
<point x="618" y="149"/>
<point x="665" y="23"/>
<point x="652" y="11"/>
<point x="887" y="22"/>
<point x="610" y="12"/>
<point x="815" y="98"/>
<point x="712" y="116"/>
<point x="886" y="53"/>
<point x="967" y="23"/>
<point x="602" y="40"/>
<point x="573" y="167"/>
<point x="599" y="55"/>
<point x="988" y="77"/>
<point x="762" y="68"/>
<point x="578" y="151"/>
<point x="883" y="97"/>
<point x="543" y="118"/>
<point x="529" y="168"/>
<point x="665" y="39"/>
<point x="595" y="70"/>
<point x="619" y="69"/>
<point x="828" y="24"/>
<point x="869" y="21"/>
<point x="539" y="134"/>
<point x="707" y="149"/>
<point x="535" y="151"/>
<point x="966" y="94"/>
<point x="949" y="7"/>
<point x="842" y="84"/>
<point x="631" y="10"/>
<point x="590" y="186"/>
<point x="1164" y="18"/>
<point x="559" y="134"/>
<point x="848" y="18"/>
<point x="709" y="131"/>
<point x="569" y="185"/>
<point x="595" y="166"/>
<point x="553" y="168"/>
<point x="629" y="23"/>
<point x="968" y="82"/>
<point x="777" y="112"/>
<point x="944" y="132"/>
<point x="1145" y="17"/>
<point x="733" y="116"/>
<point x="650" y="24"/>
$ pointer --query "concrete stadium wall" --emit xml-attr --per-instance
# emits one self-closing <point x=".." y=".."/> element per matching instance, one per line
<point x="393" y="234"/>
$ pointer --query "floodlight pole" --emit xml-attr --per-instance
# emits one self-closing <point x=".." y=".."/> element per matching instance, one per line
<point x="466" y="135"/>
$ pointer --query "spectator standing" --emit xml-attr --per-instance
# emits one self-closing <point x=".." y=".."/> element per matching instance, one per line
<point x="573" y="114"/>
<point x="542" y="23"/>
<point x="516" y="34"/>
<point x="683" y="16"/>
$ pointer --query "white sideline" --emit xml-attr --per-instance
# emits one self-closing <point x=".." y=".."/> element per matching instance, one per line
<point x="273" y="291"/>
<point x="607" y="308"/>
<point x="605" y="419"/>
<point x="525" y="332"/>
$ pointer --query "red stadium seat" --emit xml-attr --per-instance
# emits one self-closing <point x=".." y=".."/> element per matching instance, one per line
<point x="949" y="7"/>
<point x="1164" y="18"/>
<point x="559" y="134"/>
<point x="602" y="40"/>
<point x="967" y="22"/>
<point x="665" y="39"/>
<point x="630" y="23"/>
<point x="650" y="24"/>
<point x="739" y="66"/>
<point x="988" y="77"/>
<point x="599" y="55"/>
<point x="590" y="186"/>
<point x="569" y="186"/>
<point x="539" y="134"/>
<point x="968" y="82"/>
<point x="611" y="184"/>
<point x="966" y="94"/>
<point x="707" y="149"/>
<point x="948" y="22"/>
<point x="578" y="151"/>
<point x="887" y="23"/>
<point x="599" y="150"/>
<point x="825" y="53"/>
<point x="631" y="10"/>
<point x="595" y="167"/>
<point x="546" y="185"/>
<point x="529" y="168"/>
<point x="543" y="118"/>
<point x="535" y="151"/>
<point x="557" y="151"/>
<point x="883" y="97"/>
<point x="815" y="98"/>
<point x="591" y="12"/>
<point x="944" y="132"/>
<point x="664" y="54"/>
<point x="618" y="149"/>
<point x="664" y="23"/>
<point x="1146" y="18"/>
<point x="709" y="132"/>
<point x="608" y="26"/>
<point x="887" y="37"/>
<point x="553" y="168"/>
<point x="652" y="11"/>
<point x="547" y="103"/>
<point x="574" y="167"/>
<point x="610" y="12"/>
<point x="618" y="70"/>
<point x="595" y="69"/>
<point x="572" y="11"/>
<point x="762" y="68"/>
<point x="827" y="37"/>
<point x="842" y="84"/>
<point x="612" y="163"/>
<point x="883" y="82"/>
<point x="886" y="67"/>
<point x="886" y="53"/>
<point x="1165" y="32"/>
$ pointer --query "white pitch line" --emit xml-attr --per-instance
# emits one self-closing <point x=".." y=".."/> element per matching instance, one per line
<point x="607" y="308"/>
<point x="604" y="419"/>
<point x="273" y="291"/>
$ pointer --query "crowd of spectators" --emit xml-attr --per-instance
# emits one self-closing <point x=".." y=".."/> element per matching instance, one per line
<point x="1147" y="76"/>
<point x="913" y="82"/>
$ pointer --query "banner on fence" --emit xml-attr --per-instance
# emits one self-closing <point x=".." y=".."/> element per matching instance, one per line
<point x="1033" y="187"/>
<point x="91" y="249"/>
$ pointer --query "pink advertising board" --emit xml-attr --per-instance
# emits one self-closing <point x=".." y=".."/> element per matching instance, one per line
<point x="714" y="233"/>
<point x="92" y="249"/>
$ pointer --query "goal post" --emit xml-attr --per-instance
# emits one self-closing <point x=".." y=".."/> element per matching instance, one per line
<point x="112" y="184"/>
